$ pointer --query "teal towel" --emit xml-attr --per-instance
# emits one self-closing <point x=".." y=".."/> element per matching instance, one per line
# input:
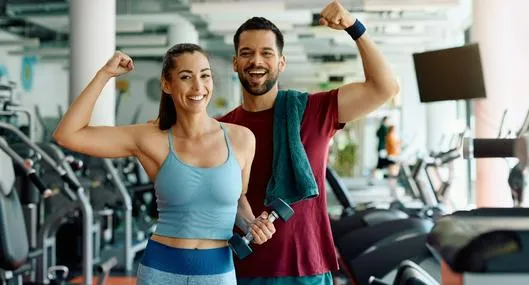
<point x="292" y="178"/>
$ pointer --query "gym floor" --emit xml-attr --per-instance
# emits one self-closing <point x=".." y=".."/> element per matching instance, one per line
<point x="112" y="280"/>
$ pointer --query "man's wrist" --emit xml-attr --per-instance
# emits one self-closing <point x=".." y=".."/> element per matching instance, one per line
<point x="356" y="30"/>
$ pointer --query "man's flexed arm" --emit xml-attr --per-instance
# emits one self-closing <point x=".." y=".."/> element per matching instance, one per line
<point x="360" y="98"/>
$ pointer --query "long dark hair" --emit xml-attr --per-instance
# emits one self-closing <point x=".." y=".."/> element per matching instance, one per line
<point x="167" y="113"/>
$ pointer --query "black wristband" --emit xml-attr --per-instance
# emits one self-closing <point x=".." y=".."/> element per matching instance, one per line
<point x="356" y="30"/>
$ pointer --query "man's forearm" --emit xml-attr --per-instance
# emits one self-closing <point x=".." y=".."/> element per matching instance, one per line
<point x="245" y="215"/>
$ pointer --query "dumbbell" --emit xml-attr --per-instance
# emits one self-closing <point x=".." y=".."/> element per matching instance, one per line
<point x="240" y="245"/>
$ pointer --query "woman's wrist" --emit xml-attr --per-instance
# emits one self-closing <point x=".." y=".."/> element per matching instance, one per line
<point x="103" y="74"/>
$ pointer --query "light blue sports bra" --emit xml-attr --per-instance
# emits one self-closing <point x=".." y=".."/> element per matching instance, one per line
<point x="195" y="202"/>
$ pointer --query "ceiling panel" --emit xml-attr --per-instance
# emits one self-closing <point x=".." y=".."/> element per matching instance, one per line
<point x="378" y="5"/>
<point x="399" y="27"/>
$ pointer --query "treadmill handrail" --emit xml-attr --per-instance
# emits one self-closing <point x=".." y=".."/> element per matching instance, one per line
<point x="338" y="187"/>
<point x="54" y="165"/>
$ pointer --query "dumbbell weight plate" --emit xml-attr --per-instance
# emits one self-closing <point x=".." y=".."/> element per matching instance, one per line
<point x="239" y="246"/>
<point x="283" y="210"/>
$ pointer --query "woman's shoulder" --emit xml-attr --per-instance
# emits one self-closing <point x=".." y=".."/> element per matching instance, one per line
<point x="237" y="130"/>
<point x="147" y="127"/>
<point x="239" y="135"/>
<point x="147" y="131"/>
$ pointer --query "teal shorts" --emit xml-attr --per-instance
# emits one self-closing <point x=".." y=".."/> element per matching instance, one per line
<point x="322" y="279"/>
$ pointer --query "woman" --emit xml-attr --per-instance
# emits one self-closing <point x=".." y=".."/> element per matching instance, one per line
<point x="200" y="168"/>
<point x="393" y="151"/>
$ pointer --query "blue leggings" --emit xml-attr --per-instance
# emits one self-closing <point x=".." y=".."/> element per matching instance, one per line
<point x="163" y="264"/>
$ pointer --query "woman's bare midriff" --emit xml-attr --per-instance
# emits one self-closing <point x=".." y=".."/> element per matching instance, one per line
<point x="189" y="243"/>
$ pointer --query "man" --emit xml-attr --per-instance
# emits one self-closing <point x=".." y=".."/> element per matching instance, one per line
<point x="381" y="135"/>
<point x="301" y="250"/>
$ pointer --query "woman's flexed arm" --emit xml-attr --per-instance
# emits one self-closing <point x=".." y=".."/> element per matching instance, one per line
<point x="73" y="131"/>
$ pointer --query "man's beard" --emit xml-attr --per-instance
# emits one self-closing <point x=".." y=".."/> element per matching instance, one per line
<point x="261" y="89"/>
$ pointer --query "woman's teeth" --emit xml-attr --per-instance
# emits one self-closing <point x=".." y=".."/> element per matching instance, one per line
<point x="197" y="98"/>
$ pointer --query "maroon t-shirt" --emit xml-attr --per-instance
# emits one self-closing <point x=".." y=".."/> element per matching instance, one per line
<point x="303" y="245"/>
